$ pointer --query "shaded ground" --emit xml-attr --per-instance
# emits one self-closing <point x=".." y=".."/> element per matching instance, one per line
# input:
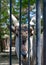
<point x="4" y="60"/>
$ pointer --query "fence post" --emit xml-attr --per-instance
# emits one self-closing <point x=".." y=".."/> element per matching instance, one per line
<point x="44" y="32"/>
<point x="38" y="33"/>
<point x="10" y="32"/>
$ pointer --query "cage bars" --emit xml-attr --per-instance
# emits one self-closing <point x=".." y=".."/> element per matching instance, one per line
<point x="44" y="32"/>
<point x="29" y="32"/>
<point x="10" y="32"/>
<point x="38" y="33"/>
<point x="20" y="34"/>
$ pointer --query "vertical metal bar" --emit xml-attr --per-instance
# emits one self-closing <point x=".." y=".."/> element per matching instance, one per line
<point x="44" y="33"/>
<point x="20" y="34"/>
<point x="10" y="32"/>
<point x="38" y="33"/>
<point x="0" y="27"/>
<point x="28" y="32"/>
<point x="0" y="9"/>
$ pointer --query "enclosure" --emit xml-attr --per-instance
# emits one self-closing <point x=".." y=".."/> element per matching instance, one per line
<point x="18" y="17"/>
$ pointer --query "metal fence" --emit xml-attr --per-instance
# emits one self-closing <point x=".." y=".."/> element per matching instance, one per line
<point x="44" y="34"/>
<point x="38" y="32"/>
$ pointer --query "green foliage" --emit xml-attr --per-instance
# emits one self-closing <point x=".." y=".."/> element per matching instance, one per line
<point x="15" y="10"/>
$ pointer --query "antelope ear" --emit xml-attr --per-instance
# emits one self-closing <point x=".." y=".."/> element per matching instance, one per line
<point x="13" y="28"/>
<point x="14" y="19"/>
<point x="31" y="31"/>
<point x="16" y="30"/>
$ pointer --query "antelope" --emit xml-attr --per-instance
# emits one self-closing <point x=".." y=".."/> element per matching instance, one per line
<point x="24" y="39"/>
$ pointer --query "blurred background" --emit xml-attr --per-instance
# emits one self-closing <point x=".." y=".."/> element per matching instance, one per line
<point x="5" y="22"/>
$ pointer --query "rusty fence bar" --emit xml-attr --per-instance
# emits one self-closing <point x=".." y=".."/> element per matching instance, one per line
<point x="28" y="32"/>
<point x="38" y="33"/>
<point x="10" y="32"/>
<point x="44" y="33"/>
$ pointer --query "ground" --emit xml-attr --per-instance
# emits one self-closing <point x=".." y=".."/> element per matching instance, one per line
<point x="4" y="59"/>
